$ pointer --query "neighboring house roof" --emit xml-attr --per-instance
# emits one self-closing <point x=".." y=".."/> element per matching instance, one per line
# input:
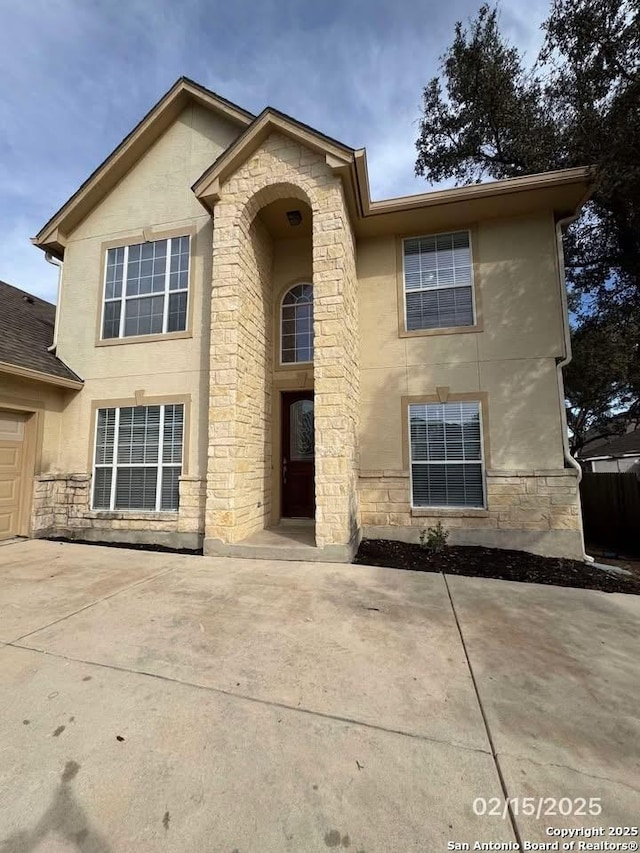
<point x="614" y="446"/>
<point x="562" y="191"/>
<point x="26" y="332"/>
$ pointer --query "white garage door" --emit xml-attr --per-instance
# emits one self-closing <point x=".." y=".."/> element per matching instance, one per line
<point x="11" y="471"/>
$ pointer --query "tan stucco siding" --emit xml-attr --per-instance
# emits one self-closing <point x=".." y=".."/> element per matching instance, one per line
<point x="509" y="362"/>
<point x="48" y="401"/>
<point x="519" y="285"/>
<point x="525" y="425"/>
<point x="156" y="194"/>
<point x="512" y="359"/>
<point x="157" y="191"/>
<point x="76" y="450"/>
<point x="41" y="405"/>
<point x="292" y="264"/>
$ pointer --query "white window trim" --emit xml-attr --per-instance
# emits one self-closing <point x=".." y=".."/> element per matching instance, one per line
<point x="436" y="329"/>
<point x="282" y="363"/>
<point x="458" y="508"/>
<point x="114" y="464"/>
<point x="123" y="298"/>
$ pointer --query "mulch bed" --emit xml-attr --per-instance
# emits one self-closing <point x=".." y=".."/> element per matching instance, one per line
<point x="127" y="546"/>
<point x="493" y="563"/>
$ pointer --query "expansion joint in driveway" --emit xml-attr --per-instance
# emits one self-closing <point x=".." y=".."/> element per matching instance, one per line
<point x="494" y="754"/>
<point x="243" y="697"/>
<point x="88" y="606"/>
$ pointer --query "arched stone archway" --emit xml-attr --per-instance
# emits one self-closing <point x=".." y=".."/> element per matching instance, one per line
<point x="241" y="466"/>
<point x="273" y="192"/>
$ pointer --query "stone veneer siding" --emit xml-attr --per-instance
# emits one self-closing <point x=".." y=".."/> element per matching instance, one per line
<point x="336" y="376"/>
<point x="61" y="507"/>
<point x="239" y="424"/>
<point x="240" y="393"/>
<point x="533" y="510"/>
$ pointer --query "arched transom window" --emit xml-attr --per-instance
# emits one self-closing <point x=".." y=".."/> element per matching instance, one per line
<point x="297" y="325"/>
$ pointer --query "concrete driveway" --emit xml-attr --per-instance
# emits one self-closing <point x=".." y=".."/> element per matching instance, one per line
<point x="165" y="702"/>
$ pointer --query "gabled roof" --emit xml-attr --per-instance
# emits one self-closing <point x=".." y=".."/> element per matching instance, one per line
<point x="614" y="446"/>
<point x="51" y="237"/>
<point x="562" y="191"/>
<point x="26" y="332"/>
<point x="269" y="121"/>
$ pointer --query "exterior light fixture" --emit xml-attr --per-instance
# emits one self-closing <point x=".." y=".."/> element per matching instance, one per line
<point x="294" y="217"/>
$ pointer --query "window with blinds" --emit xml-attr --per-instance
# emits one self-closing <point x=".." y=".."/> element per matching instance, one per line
<point x="447" y="468"/>
<point x="138" y="458"/>
<point x="438" y="282"/>
<point x="146" y="289"/>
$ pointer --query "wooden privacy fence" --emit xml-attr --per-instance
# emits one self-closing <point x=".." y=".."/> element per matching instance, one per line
<point x="611" y="511"/>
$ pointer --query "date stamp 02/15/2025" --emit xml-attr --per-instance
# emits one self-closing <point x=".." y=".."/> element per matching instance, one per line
<point x="578" y="838"/>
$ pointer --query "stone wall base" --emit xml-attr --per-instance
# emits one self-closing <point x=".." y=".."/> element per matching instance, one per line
<point x="537" y="511"/>
<point x="546" y="543"/>
<point x="61" y="508"/>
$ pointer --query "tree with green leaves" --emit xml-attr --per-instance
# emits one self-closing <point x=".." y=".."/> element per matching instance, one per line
<point x="601" y="376"/>
<point x="488" y="115"/>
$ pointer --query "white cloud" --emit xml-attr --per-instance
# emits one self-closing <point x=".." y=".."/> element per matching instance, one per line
<point x="78" y="76"/>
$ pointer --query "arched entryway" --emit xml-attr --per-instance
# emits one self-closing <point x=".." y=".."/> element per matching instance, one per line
<point x="281" y="225"/>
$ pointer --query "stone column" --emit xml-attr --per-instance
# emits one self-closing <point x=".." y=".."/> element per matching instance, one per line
<point x="240" y="391"/>
<point x="336" y="370"/>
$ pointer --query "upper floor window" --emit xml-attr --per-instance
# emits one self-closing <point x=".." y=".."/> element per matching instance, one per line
<point x="146" y="289"/>
<point x="297" y="325"/>
<point x="138" y="457"/>
<point x="447" y="467"/>
<point x="438" y="282"/>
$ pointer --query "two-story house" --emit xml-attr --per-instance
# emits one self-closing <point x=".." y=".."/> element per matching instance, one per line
<point x="275" y="364"/>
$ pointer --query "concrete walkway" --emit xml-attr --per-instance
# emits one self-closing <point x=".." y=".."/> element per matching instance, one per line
<point x="164" y="702"/>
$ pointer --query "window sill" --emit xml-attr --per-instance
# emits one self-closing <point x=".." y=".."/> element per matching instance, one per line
<point x="294" y="365"/>
<point x="144" y="339"/>
<point x="130" y="514"/>
<point x="448" y="512"/>
<point x="448" y="330"/>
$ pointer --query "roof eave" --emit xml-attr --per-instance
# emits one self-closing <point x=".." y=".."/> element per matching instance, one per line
<point x="51" y="237"/>
<point x="207" y="186"/>
<point x="562" y="192"/>
<point x="39" y="376"/>
<point x="492" y="189"/>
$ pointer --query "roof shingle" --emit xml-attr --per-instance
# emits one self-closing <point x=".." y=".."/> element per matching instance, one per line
<point x="26" y="330"/>
<point x="616" y="445"/>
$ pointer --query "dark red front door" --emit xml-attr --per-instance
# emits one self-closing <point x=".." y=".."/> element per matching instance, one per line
<point x="298" y="453"/>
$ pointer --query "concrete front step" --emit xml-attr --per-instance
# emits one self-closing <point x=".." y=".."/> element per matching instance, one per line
<point x="287" y="541"/>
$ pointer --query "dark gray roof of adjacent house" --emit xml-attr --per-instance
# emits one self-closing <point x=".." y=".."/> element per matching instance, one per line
<point x="26" y="331"/>
<point x="615" y="445"/>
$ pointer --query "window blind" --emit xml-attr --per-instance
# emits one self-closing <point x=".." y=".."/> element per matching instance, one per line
<point x="438" y="281"/>
<point x="138" y="457"/>
<point x="446" y="454"/>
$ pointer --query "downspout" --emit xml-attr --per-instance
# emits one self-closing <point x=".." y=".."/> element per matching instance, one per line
<point x="56" y="263"/>
<point x="560" y="224"/>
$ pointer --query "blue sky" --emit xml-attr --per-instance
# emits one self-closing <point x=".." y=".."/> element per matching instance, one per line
<point x="77" y="75"/>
